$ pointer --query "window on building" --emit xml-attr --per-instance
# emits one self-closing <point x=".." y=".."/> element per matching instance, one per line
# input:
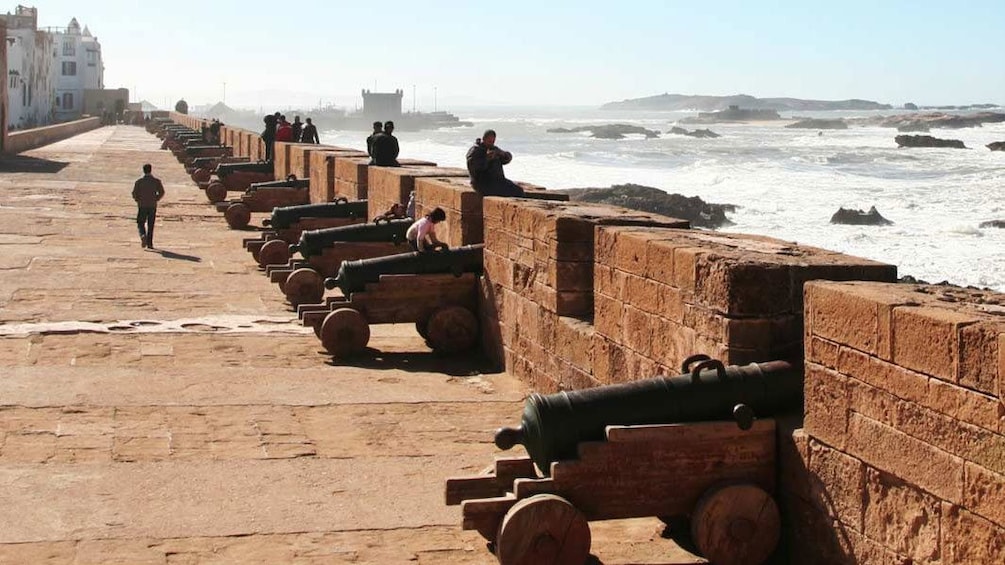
<point x="69" y="49"/>
<point x="67" y="100"/>
<point x="69" y="68"/>
<point x="92" y="58"/>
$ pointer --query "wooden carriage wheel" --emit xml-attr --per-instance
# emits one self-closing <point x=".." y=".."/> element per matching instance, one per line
<point x="201" y="174"/>
<point x="451" y="329"/>
<point x="345" y="332"/>
<point x="736" y="525"/>
<point x="216" y="192"/>
<point x="238" y="216"/>
<point x="543" y="530"/>
<point x="274" y="252"/>
<point x="304" y="286"/>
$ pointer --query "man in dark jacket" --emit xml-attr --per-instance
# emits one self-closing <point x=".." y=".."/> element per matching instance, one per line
<point x="269" y="136"/>
<point x="310" y="133"/>
<point x="147" y="192"/>
<point x="378" y="128"/>
<point x="298" y="128"/>
<point x="485" y="165"/>
<point x="384" y="152"/>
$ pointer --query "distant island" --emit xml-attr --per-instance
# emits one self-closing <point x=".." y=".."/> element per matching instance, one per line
<point x="682" y="102"/>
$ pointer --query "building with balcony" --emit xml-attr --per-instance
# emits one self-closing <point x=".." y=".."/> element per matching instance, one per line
<point x="79" y="68"/>
<point x="31" y="71"/>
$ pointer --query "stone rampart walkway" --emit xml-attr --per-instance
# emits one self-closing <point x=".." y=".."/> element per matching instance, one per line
<point x="164" y="407"/>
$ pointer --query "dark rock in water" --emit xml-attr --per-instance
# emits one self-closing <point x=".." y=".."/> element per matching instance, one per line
<point x="996" y="146"/>
<point x="940" y="120"/>
<point x="908" y="279"/>
<point x="927" y="141"/>
<point x="993" y="224"/>
<point x="703" y="133"/>
<point x="859" y="218"/>
<point x="649" y="199"/>
<point x="910" y="106"/>
<point x="700" y="133"/>
<point x="609" y="131"/>
<point x="913" y="127"/>
<point x="813" y="123"/>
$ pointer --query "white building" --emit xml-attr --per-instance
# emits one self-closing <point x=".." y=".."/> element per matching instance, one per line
<point x="31" y="70"/>
<point x="80" y="68"/>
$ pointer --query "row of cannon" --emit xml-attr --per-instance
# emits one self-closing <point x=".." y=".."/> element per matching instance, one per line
<point x="698" y="447"/>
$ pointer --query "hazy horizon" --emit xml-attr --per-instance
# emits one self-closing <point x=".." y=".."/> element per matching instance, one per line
<point x="530" y="54"/>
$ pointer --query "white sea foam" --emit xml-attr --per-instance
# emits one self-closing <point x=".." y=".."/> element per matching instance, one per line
<point x="787" y="183"/>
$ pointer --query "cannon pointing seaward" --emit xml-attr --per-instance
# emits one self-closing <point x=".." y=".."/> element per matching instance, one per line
<point x="354" y="275"/>
<point x="287" y="223"/>
<point x="437" y="291"/>
<point x="324" y="250"/>
<point x="685" y="448"/>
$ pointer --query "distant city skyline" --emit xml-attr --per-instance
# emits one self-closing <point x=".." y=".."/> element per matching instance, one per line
<point x="534" y="53"/>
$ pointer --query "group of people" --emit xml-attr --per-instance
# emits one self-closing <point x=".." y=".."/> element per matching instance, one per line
<point x="211" y="131"/>
<point x="382" y="146"/>
<point x="277" y="128"/>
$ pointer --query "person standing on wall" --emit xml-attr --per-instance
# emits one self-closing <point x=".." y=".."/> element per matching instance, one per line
<point x="269" y="136"/>
<point x="310" y="133"/>
<point x="147" y="192"/>
<point x="298" y="128"/>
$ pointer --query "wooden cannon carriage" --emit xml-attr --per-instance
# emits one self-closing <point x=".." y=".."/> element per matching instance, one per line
<point x="238" y="177"/>
<point x="287" y="224"/>
<point x="436" y="291"/>
<point x="656" y="447"/>
<point x="264" y="197"/>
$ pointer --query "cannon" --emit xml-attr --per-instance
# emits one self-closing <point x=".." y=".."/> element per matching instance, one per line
<point x="685" y="449"/>
<point x="288" y="222"/>
<point x="437" y="291"/>
<point x="552" y="426"/>
<point x="263" y="197"/>
<point x="353" y="276"/>
<point x="238" y="177"/>
<point x="203" y="168"/>
<point x="324" y="250"/>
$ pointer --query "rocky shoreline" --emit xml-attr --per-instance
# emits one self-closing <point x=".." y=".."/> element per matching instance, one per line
<point x="649" y="199"/>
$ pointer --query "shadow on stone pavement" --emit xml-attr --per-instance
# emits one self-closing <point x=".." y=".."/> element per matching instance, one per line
<point x="464" y="365"/>
<point x="179" y="256"/>
<point x="23" y="164"/>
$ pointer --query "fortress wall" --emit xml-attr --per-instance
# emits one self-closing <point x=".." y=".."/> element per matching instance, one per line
<point x="464" y="224"/>
<point x="24" y="140"/>
<point x="323" y="174"/>
<point x="903" y="449"/>
<point x="392" y="185"/>
<point x="536" y="302"/>
<point x="662" y="295"/>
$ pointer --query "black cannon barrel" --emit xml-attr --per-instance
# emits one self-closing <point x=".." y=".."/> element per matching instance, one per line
<point x="259" y="167"/>
<point x="285" y="216"/>
<point x="353" y="276"/>
<point x="314" y="242"/>
<point x="293" y="183"/>
<point x="553" y="425"/>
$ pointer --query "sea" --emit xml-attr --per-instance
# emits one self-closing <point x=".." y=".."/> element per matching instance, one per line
<point x="786" y="183"/>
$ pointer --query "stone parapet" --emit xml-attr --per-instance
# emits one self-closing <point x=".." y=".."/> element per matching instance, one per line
<point x="904" y="441"/>
<point x="24" y="140"/>
<point x="387" y="186"/>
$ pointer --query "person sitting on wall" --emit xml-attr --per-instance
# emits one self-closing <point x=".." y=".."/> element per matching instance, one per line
<point x="298" y="127"/>
<point x="422" y="234"/>
<point x="377" y="129"/>
<point x="269" y="136"/>
<point x="396" y="211"/>
<point x="284" y="132"/>
<point x="385" y="148"/>
<point x="214" y="131"/>
<point x="310" y="133"/>
<point x="485" y="165"/>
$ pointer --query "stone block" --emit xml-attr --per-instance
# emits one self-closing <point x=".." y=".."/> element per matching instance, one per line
<point x="978" y="353"/>
<point x="902" y="517"/>
<point x="925" y="339"/>
<point x="574" y="343"/>
<point x="837" y="484"/>
<point x="826" y="406"/>
<point x="984" y="493"/>
<point x="392" y="185"/>
<point x="900" y="454"/>
<point x="967" y="539"/>
<point x="822" y="352"/>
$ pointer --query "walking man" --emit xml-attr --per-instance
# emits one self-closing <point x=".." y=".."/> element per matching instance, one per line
<point x="147" y="191"/>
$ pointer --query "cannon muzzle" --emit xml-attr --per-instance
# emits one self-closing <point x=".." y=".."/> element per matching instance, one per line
<point x="295" y="248"/>
<point x="553" y="425"/>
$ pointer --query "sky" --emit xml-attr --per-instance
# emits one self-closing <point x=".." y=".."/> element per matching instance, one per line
<point x="256" y="54"/>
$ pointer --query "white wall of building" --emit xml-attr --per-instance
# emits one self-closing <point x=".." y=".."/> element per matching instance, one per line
<point x="80" y="67"/>
<point x="31" y="71"/>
